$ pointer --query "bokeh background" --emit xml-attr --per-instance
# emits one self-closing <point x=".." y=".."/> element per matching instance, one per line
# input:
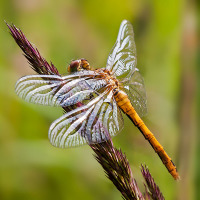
<point x="62" y="30"/>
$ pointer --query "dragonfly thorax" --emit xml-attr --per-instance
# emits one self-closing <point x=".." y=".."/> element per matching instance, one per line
<point x="109" y="77"/>
<point x="78" y="65"/>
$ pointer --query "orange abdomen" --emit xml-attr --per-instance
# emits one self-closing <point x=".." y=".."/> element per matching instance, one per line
<point x="126" y="106"/>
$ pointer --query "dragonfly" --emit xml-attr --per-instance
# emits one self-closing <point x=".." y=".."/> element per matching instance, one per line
<point x="94" y="99"/>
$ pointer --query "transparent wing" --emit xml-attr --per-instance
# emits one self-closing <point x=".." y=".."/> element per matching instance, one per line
<point x="55" y="90"/>
<point x="94" y="122"/>
<point x="135" y="89"/>
<point x="122" y="58"/>
<point x="39" y="89"/>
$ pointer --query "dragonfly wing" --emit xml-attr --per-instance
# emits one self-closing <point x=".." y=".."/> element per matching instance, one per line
<point x="137" y="94"/>
<point x="122" y="58"/>
<point x="39" y="89"/>
<point x="55" y="90"/>
<point x="91" y="123"/>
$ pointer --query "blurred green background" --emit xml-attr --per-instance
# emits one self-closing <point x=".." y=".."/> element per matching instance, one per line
<point x="62" y="30"/>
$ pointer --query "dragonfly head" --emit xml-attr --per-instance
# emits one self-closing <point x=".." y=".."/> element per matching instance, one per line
<point x="78" y="65"/>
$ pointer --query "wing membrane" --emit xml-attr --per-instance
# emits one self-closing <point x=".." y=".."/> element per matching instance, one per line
<point x="122" y="58"/>
<point x="91" y="123"/>
<point x="136" y="91"/>
<point x="38" y="89"/>
<point x="55" y="90"/>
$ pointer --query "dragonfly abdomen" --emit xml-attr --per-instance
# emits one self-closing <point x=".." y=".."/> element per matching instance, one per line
<point x="126" y="106"/>
<point x="123" y="102"/>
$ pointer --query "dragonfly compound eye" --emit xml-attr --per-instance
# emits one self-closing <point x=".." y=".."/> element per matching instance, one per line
<point x="74" y="66"/>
